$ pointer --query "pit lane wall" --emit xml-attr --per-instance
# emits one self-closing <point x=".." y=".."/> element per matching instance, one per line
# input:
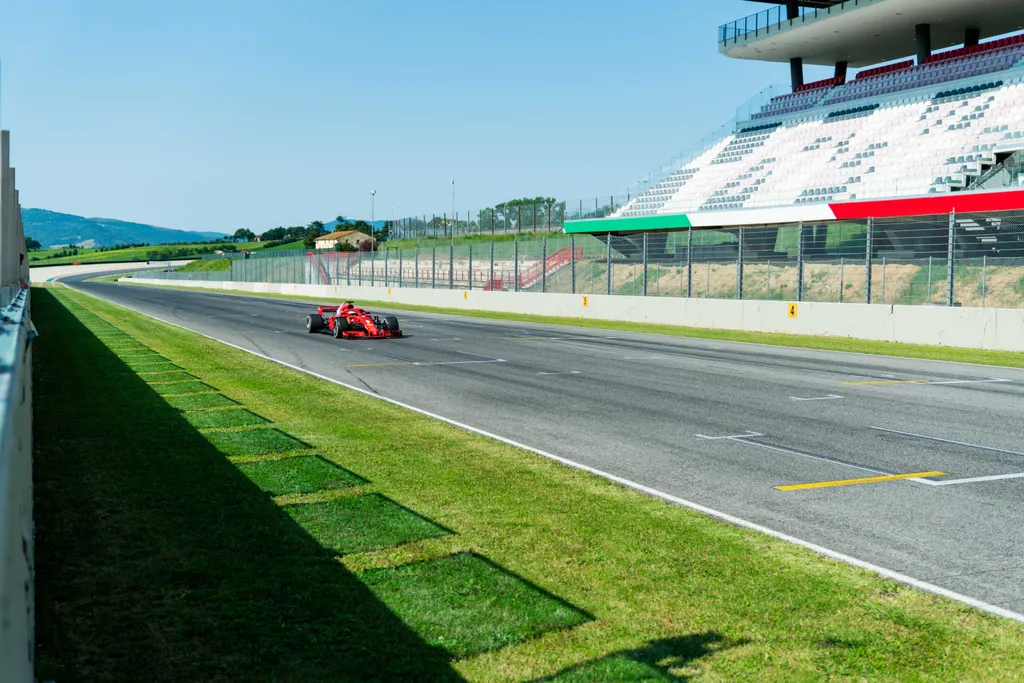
<point x="981" y="328"/>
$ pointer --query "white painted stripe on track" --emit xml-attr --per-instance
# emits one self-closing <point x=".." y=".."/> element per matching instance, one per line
<point x="711" y="512"/>
<point x="949" y="441"/>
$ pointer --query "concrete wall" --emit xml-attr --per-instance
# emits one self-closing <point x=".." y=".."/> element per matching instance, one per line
<point x="49" y="273"/>
<point x="981" y="328"/>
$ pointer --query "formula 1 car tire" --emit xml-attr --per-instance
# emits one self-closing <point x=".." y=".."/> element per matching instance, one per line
<point x="392" y="323"/>
<point x="340" y="327"/>
<point x="314" y="323"/>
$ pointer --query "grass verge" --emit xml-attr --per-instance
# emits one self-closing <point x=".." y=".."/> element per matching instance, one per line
<point x="953" y="354"/>
<point x="161" y="559"/>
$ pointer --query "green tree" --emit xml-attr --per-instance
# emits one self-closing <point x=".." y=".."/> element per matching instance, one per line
<point x="278" y="233"/>
<point x="244" y="234"/>
<point x="31" y="244"/>
<point x="313" y="232"/>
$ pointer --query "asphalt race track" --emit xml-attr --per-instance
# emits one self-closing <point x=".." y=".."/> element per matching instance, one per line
<point x="716" y="423"/>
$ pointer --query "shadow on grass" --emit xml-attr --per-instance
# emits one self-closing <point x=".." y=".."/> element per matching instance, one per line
<point x="652" y="663"/>
<point x="159" y="560"/>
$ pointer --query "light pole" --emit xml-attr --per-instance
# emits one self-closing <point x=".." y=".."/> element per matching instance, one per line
<point x="372" y="224"/>
<point x="455" y="221"/>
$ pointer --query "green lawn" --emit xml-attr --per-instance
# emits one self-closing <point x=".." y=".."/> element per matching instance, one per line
<point x="167" y="553"/>
<point x="481" y="238"/>
<point x="211" y="264"/>
<point x="45" y="257"/>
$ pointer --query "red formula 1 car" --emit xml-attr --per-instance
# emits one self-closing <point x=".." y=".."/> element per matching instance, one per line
<point x="349" y="321"/>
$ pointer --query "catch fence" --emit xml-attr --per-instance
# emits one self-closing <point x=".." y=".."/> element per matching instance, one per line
<point x="952" y="260"/>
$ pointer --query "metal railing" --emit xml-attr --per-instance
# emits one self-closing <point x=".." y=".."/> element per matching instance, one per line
<point x="776" y="18"/>
<point x="954" y="260"/>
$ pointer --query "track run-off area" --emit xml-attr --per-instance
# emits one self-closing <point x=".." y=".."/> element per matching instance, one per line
<point x="912" y="466"/>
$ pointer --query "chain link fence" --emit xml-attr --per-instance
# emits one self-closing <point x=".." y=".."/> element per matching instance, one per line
<point x="944" y="260"/>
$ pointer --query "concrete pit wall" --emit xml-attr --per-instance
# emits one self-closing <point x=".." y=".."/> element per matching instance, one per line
<point x="981" y="328"/>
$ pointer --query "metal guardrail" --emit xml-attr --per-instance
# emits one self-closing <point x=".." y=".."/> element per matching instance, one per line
<point x="17" y="585"/>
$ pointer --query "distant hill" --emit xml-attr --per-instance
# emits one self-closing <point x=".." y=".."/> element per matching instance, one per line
<point x="57" y="229"/>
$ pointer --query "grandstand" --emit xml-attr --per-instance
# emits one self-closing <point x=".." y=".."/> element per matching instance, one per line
<point x="915" y="132"/>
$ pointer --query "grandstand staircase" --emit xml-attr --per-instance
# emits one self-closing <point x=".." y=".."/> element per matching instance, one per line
<point x="533" y="276"/>
<point x="982" y="236"/>
<point x="1004" y="173"/>
<point x="632" y="246"/>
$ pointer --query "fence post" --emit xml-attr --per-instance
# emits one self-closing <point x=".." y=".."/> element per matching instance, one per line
<point x="769" y="279"/>
<point x="739" y="265"/>
<point x="433" y="267"/>
<point x="984" y="272"/>
<point x="883" y="279"/>
<point x="572" y="261"/>
<point x="842" y="276"/>
<point x="451" y="266"/>
<point x="416" y="275"/>
<point x="515" y="265"/>
<point x="519" y="219"/>
<point x="470" y="264"/>
<point x="544" y="266"/>
<point x="387" y="279"/>
<point x="868" y="253"/>
<point x="535" y="218"/>
<point x="492" y="225"/>
<point x="928" y="292"/>
<point x="401" y="272"/>
<point x="800" y="261"/>
<point x="348" y="269"/>
<point x="373" y="264"/>
<point x="608" y="265"/>
<point x="490" y="282"/>
<point x="707" y="293"/>
<point x="549" y="215"/>
<point x="950" y="255"/>
<point x="645" y="264"/>
<point x="689" y="263"/>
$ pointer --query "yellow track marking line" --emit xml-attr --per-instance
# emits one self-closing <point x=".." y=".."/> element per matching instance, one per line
<point x="531" y="338"/>
<point x="888" y="381"/>
<point x="377" y="365"/>
<point x="426" y="363"/>
<point x="852" y="482"/>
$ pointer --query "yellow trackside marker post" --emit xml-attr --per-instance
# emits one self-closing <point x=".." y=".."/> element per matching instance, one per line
<point x="465" y="296"/>
<point x="853" y="482"/>
<point x="586" y="301"/>
<point x="389" y="291"/>
<point x="883" y="382"/>
<point x="792" y="310"/>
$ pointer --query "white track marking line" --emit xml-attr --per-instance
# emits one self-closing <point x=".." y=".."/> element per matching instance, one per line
<point x="971" y="480"/>
<point x="830" y="397"/>
<point x="748" y="435"/>
<point x="950" y="441"/>
<point x="551" y="374"/>
<point x="813" y="457"/>
<point x="711" y="512"/>
<point x="969" y="381"/>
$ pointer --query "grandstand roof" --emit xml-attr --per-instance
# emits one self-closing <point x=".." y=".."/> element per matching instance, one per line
<point x="866" y="32"/>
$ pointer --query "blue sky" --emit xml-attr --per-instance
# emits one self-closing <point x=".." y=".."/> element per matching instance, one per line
<point x="202" y="115"/>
